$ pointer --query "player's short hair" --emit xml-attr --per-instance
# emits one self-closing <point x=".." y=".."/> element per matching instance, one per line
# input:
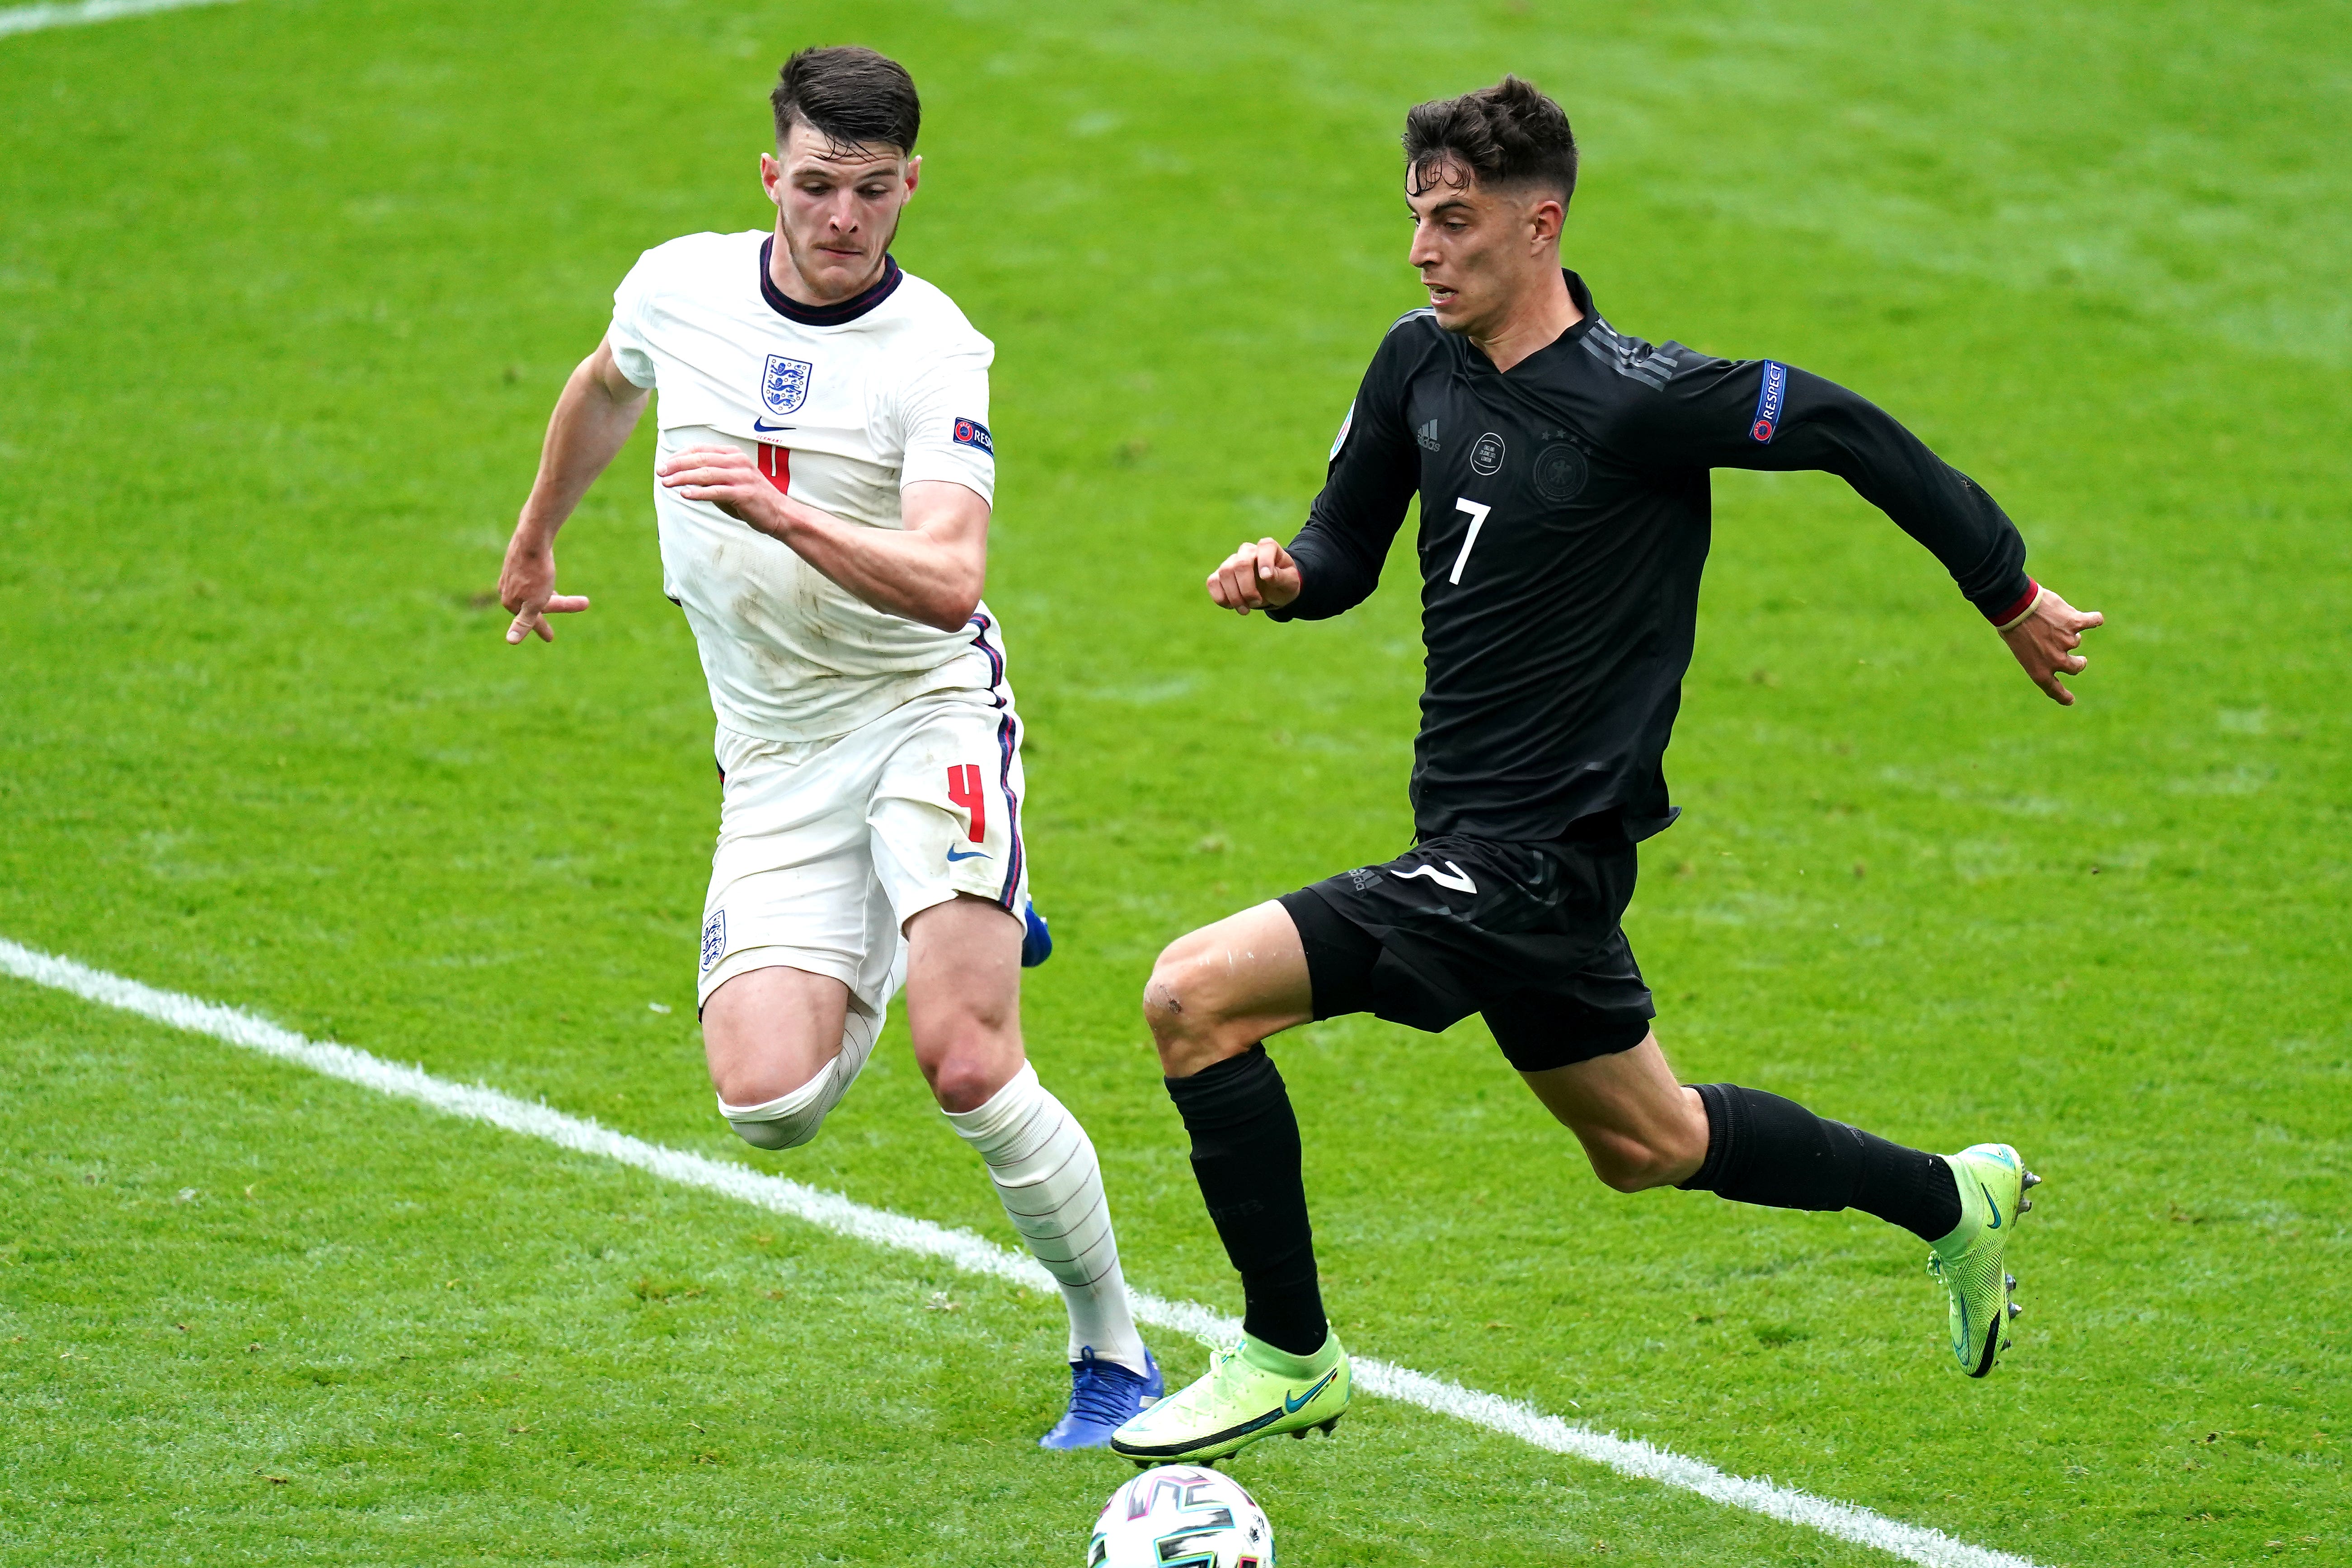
<point x="1506" y="134"/>
<point x="852" y="97"/>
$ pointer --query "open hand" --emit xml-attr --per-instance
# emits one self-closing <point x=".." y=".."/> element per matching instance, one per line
<point x="729" y="479"/>
<point x="1260" y="576"/>
<point x="527" y="587"/>
<point x="2045" y="640"/>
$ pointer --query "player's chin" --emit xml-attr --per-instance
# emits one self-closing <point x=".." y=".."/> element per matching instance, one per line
<point x="840" y="269"/>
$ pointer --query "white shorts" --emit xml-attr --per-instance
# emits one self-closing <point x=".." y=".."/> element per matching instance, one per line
<point x="827" y="848"/>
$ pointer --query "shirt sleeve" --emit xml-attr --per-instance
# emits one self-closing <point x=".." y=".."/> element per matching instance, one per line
<point x="943" y="415"/>
<point x="631" y="350"/>
<point x="1373" y="471"/>
<point x="1761" y="414"/>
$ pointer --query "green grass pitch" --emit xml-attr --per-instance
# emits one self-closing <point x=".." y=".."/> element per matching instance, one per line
<point x="286" y="292"/>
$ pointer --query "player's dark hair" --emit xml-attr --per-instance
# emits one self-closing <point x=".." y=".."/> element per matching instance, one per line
<point x="850" y="96"/>
<point x="1506" y="134"/>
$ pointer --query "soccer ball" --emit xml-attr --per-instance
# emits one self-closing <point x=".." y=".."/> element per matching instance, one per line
<point x="1178" y="1517"/>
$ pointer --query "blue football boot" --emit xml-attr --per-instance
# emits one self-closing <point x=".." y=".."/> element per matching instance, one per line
<point x="1104" y="1396"/>
<point x="1036" y="942"/>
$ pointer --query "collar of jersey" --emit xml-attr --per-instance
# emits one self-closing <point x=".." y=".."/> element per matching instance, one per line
<point x="832" y="315"/>
<point x="1581" y="297"/>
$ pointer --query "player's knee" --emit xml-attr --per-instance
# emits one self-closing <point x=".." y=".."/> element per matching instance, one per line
<point x="966" y="1054"/>
<point x="965" y="1080"/>
<point x="1180" y="1001"/>
<point x="786" y="1121"/>
<point x="776" y="1124"/>
<point x="1164" y="1009"/>
<point x="1189" y="1006"/>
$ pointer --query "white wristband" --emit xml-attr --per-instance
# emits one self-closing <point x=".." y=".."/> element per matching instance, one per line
<point x="2026" y="614"/>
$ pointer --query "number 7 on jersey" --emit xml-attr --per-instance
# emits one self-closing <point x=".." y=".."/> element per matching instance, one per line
<point x="1478" y="510"/>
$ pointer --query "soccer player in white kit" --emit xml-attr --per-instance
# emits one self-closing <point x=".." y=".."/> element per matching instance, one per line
<point x="824" y="473"/>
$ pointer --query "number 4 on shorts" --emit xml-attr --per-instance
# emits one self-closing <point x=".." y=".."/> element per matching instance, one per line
<point x="964" y="789"/>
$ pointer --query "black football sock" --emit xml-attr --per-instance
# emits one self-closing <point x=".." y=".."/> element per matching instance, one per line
<point x="1245" y="1157"/>
<point x="1762" y="1149"/>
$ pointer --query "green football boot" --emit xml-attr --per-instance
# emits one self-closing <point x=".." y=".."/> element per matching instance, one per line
<point x="1252" y="1391"/>
<point x="1993" y="1183"/>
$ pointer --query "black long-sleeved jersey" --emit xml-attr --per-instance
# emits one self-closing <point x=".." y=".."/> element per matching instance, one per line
<point x="1564" y="523"/>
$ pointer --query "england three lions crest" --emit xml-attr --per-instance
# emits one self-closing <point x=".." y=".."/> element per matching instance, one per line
<point x="783" y="386"/>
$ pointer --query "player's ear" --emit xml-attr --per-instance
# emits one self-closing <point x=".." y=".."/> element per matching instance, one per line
<point x="914" y="173"/>
<point x="771" y="177"/>
<point x="1547" y="218"/>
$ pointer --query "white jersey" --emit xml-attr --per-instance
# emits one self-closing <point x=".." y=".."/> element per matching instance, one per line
<point x="842" y="406"/>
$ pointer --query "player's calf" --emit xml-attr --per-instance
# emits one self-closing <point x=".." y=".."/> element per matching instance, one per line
<point x="963" y="1008"/>
<point x="1213" y="996"/>
<point x="1640" y="1127"/>
<point x="1762" y="1149"/>
<point x="1046" y="1173"/>
<point x="1628" y="1164"/>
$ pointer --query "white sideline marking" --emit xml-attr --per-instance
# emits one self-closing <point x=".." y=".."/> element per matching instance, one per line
<point x="34" y="18"/>
<point x="961" y="1249"/>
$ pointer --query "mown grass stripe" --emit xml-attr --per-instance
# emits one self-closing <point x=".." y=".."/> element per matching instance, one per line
<point x="961" y="1249"/>
<point x="37" y="18"/>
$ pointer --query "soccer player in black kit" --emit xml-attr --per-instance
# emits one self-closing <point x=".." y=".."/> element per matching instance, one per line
<point x="1563" y="474"/>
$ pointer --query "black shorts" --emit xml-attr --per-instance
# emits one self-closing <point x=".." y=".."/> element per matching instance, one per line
<point x="1526" y="935"/>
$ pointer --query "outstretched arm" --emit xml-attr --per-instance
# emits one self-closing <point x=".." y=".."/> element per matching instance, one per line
<point x="1335" y="562"/>
<point x="591" y="423"/>
<point x="932" y="571"/>
<point x="1760" y="414"/>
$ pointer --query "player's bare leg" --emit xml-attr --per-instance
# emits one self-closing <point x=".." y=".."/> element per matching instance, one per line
<point x="963" y="1008"/>
<point x="768" y="1031"/>
<point x="784" y="1046"/>
<point x="1639" y="1126"/>
<point x="1213" y="996"/>
<point x="1219" y="991"/>
<point x="963" y="1000"/>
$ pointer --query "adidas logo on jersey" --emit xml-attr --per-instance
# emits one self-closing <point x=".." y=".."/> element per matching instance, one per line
<point x="1427" y="436"/>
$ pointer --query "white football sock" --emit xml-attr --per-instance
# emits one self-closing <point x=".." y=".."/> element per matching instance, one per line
<point x="792" y="1119"/>
<point x="1045" y="1169"/>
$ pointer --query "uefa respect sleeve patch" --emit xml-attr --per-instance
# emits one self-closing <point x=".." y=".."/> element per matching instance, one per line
<point x="1767" y="402"/>
<point x="972" y="433"/>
